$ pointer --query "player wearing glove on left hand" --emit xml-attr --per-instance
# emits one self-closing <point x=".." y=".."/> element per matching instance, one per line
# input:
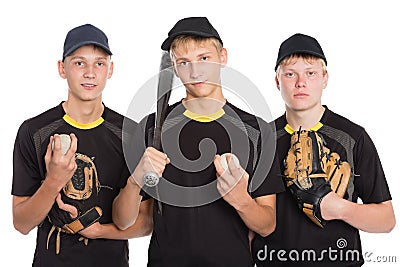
<point x="328" y="164"/>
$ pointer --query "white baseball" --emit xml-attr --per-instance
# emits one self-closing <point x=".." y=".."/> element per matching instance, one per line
<point x="224" y="161"/>
<point x="65" y="143"/>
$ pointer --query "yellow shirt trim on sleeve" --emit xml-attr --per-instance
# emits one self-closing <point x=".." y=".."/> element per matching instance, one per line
<point x="204" y="118"/>
<point x="83" y="126"/>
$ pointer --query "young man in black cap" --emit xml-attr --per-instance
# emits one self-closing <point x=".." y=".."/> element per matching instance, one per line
<point x="206" y="213"/>
<point x="301" y="77"/>
<point x="42" y="172"/>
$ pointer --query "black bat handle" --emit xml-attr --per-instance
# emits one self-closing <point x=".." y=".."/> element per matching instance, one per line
<point x="157" y="138"/>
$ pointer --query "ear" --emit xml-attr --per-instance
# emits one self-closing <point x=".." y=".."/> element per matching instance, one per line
<point x="111" y="70"/>
<point x="61" y="70"/>
<point x="277" y="83"/>
<point x="325" y="80"/>
<point x="223" y="56"/>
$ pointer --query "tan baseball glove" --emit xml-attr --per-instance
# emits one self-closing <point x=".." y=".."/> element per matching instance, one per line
<point x="312" y="171"/>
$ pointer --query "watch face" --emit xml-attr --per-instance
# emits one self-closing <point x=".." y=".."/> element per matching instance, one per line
<point x="151" y="179"/>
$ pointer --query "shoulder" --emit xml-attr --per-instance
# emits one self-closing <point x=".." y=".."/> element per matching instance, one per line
<point x="244" y="116"/>
<point x="114" y="117"/>
<point x="173" y="110"/>
<point x="280" y="122"/>
<point x="117" y="119"/>
<point x="43" y="119"/>
<point x="119" y="124"/>
<point x="338" y="122"/>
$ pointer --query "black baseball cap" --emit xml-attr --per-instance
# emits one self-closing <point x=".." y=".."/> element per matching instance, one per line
<point x="299" y="44"/>
<point x="85" y="35"/>
<point x="197" y="26"/>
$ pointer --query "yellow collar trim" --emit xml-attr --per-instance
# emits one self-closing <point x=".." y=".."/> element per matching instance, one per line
<point x="83" y="126"/>
<point x="315" y="128"/>
<point x="204" y="118"/>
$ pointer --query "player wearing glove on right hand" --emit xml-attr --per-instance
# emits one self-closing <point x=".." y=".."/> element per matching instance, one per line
<point x="69" y="166"/>
<point x="328" y="163"/>
<point x="312" y="171"/>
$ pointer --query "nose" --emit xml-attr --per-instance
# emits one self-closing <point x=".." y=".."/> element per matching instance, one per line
<point x="301" y="82"/>
<point x="195" y="70"/>
<point x="89" y="72"/>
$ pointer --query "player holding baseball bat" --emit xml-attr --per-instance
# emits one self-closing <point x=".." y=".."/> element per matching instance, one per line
<point x="207" y="211"/>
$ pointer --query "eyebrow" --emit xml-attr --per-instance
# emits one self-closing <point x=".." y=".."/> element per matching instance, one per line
<point x="84" y="58"/>
<point x="199" y="55"/>
<point x="308" y="68"/>
<point x="204" y="54"/>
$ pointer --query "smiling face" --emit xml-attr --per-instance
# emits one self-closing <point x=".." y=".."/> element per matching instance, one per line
<point x="86" y="70"/>
<point x="301" y="82"/>
<point x="198" y="64"/>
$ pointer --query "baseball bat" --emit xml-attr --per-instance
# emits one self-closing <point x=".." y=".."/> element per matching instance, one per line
<point x="165" y="79"/>
<point x="164" y="88"/>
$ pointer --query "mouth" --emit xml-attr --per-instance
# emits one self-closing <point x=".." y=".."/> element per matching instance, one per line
<point x="196" y="84"/>
<point x="300" y="95"/>
<point x="88" y="86"/>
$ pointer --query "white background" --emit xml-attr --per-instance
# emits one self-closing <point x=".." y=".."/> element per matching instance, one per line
<point x="359" y="38"/>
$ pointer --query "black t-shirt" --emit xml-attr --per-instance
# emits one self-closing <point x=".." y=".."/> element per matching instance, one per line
<point x="196" y="227"/>
<point x="101" y="141"/>
<point x="299" y="242"/>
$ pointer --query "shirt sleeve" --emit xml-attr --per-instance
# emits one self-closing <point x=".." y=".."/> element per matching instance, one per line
<point x="370" y="180"/>
<point x="27" y="176"/>
<point x="266" y="178"/>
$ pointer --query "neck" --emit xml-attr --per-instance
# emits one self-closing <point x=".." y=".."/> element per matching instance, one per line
<point x="305" y="119"/>
<point x="84" y="112"/>
<point x="204" y="105"/>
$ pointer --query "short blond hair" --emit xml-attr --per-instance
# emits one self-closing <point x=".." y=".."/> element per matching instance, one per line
<point x="185" y="40"/>
<point x="292" y="59"/>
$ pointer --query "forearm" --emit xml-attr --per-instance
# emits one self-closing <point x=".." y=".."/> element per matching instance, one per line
<point x="126" y="205"/>
<point x="28" y="212"/>
<point x="373" y="218"/>
<point x="111" y="231"/>
<point x="258" y="218"/>
<point x="143" y="226"/>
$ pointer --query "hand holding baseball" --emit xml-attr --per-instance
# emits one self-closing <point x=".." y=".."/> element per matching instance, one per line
<point x="59" y="166"/>
<point x="232" y="179"/>
<point x="63" y="143"/>
<point x="224" y="161"/>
